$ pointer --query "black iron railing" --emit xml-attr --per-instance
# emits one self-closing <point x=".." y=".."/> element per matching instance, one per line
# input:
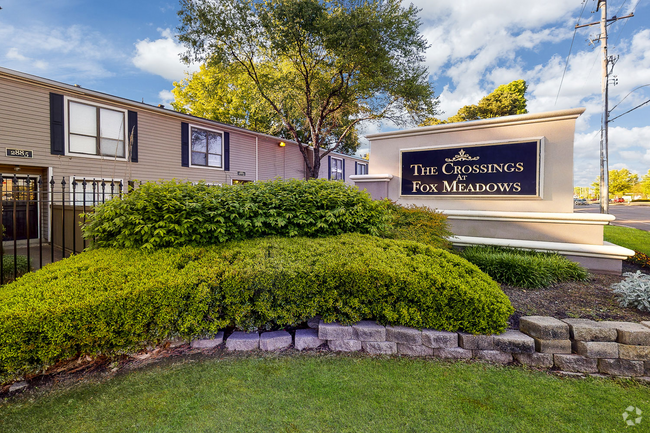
<point x="41" y="219"/>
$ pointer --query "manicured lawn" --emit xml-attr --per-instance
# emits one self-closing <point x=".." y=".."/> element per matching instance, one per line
<point x="329" y="393"/>
<point x="634" y="239"/>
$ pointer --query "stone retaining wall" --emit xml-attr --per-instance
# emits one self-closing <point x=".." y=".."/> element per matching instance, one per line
<point x="579" y="346"/>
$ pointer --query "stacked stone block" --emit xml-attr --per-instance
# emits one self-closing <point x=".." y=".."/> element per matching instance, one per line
<point x="574" y="346"/>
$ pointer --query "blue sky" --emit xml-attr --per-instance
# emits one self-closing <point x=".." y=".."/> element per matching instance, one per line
<point x="128" y="49"/>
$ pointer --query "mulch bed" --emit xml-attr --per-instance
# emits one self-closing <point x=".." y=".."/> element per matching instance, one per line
<point x="592" y="299"/>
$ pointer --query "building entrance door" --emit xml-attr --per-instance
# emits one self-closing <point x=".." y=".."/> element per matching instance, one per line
<point x="20" y="207"/>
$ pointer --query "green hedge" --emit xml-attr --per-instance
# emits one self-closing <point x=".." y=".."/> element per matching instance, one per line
<point x="418" y="223"/>
<point x="110" y="300"/>
<point x="527" y="269"/>
<point x="172" y="213"/>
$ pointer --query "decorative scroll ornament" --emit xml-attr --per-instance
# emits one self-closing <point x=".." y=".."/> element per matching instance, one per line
<point x="462" y="156"/>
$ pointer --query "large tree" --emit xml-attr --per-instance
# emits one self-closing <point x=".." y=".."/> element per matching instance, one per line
<point x="645" y="184"/>
<point x="322" y="66"/>
<point x="620" y="182"/>
<point x="505" y="100"/>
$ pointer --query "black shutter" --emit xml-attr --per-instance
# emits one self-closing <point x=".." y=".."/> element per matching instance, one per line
<point x="226" y="151"/>
<point x="329" y="167"/>
<point x="343" y="162"/>
<point x="133" y="132"/>
<point x="185" y="144"/>
<point x="57" y="125"/>
<point x="356" y="167"/>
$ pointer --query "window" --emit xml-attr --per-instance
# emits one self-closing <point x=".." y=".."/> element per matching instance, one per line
<point x="92" y="191"/>
<point x="206" y="148"/>
<point x="337" y="169"/>
<point x="362" y="168"/>
<point x="96" y="130"/>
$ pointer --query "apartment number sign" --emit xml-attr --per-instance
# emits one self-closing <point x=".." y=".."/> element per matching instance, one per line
<point x="490" y="170"/>
<point x="20" y="153"/>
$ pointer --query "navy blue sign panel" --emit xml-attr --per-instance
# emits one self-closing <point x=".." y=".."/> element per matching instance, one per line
<point x="506" y="169"/>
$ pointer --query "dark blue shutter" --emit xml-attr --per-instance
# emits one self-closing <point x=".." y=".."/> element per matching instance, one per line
<point x="356" y="167"/>
<point x="185" y="144"/>
<point x="343" y="162"/>
<point x="132" y="132"/>
<point x="226" y="151"/>
<point x="57" y="125"/>
<point x="329" y="168"/>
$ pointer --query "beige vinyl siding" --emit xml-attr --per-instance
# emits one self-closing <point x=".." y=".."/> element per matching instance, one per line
<point x="24" y="122"/>
<point x="242" y="157"/>
<point x="349" y="166"/>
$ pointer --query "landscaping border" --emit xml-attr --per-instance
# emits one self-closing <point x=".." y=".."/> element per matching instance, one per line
<point x="572" y="346"/>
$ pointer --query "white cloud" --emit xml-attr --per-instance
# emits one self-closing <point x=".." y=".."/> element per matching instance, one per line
<point x="162" y="57"/>
<point x="166" y="97"/>
<point x="65" y="52"/>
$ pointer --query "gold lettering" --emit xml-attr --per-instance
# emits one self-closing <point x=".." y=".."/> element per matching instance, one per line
<point x="517" y="187"/>
<point x="415" y="172"/>
<point x="416" y="185"/>
<point x="491" y="187"/>
<point x="444" y="168"/>
<point x="509" y="170"/>
<point x="449" y="187"/>
<point x="520" y="167"/>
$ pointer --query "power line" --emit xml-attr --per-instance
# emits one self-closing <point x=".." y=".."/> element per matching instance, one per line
<point x="633" y="90"/>
<point x="566" y="65"/>
<point x="638" y="106"/>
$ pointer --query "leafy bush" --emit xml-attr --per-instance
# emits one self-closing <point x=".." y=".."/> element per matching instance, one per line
<point x="22" y="266"/>
<point x="418" y="223"/>
<point x="634" y="291"/>
<point x="109" y="300"/>
<point x="640" y="259"/>
<point x="172" y="213"/>
<point x="528" y="269"/>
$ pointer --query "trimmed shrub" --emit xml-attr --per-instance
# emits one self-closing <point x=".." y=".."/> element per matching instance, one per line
<point x="418" y="223"/>
<point x="521" y="268"/>
<point x="111" y="300"/>
<point x="172" y="213"/>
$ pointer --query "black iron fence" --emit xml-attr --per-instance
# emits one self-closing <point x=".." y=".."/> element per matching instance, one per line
<point x="42" y="218"/>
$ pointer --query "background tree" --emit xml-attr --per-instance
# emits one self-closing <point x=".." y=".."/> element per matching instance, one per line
<point x="505" y="100"/>
<point x="645" y="184"/>
<point x="322" y="66"/>
<point x="620" y="182"/>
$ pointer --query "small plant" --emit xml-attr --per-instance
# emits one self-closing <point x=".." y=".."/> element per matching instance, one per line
<point x="634" y="291"/>
<point x="640" y="259"/>
<point x="527" y="269"/>
<point x="418" y="223"/>
<point x="8" y="266"/>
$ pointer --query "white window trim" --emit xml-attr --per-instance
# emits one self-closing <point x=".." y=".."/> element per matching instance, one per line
<point x="332" y="168"/>
<point x="360" y="164"/>
<point x="89" y="187"/>
<point x="189" y="150"/>
<point x="66" y="115"/>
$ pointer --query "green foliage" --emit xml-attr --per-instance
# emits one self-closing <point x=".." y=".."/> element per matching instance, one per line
<point x="322" y="66"/>
<point x="8" y="266"/>
<point x="420" y="224"/>
<point x="645" y="184"/>
<point x="527" y="269"/>
<point x="505" y="100"/>
<point x="633" y="291"/>
<point x="620" y="182"/>
<point x="172" y="213"/>
<point x="111" y="300"/>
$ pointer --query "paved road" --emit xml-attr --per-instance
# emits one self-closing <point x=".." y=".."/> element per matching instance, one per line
<point x="637" y="217"/>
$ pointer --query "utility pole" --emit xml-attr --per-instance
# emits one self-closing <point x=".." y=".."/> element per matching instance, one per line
<point x="606" y="60"/>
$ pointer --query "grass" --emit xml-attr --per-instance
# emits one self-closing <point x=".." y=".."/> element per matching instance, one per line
<point x="634" y="239"/>
<point x="328" y="393"/>
<point x="520" y="268"/>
